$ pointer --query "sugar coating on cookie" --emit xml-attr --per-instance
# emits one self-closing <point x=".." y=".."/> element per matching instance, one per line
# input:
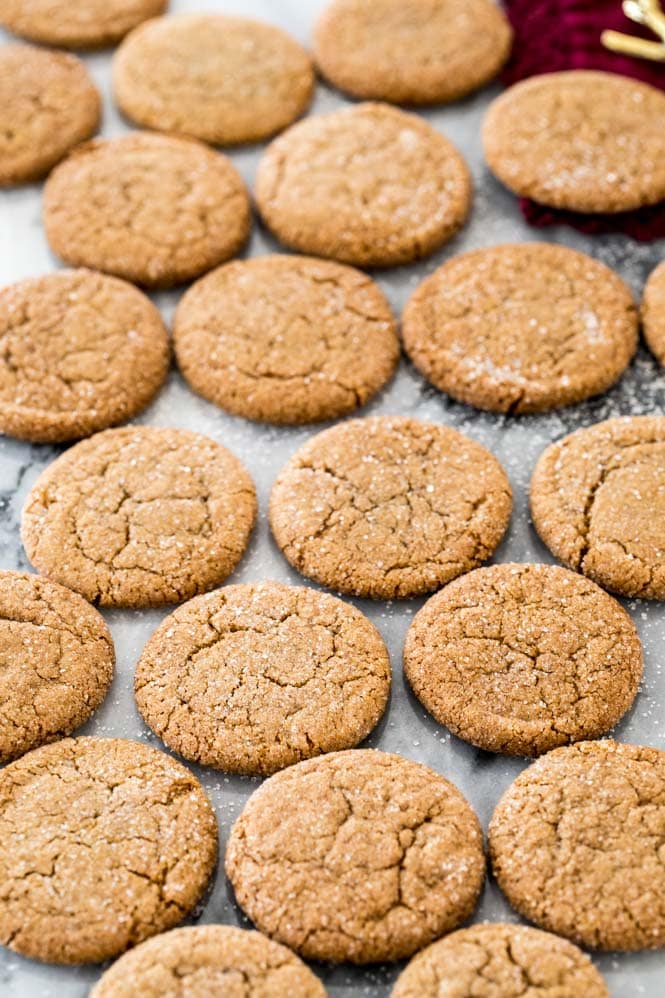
<point x="521" y="328"/>
<point x="221" y="79"/>
<point x="79" y="351"/>
<point x="103" y="843"/>
<point x="358" y="856"/>
<point x="155" y="209"/>
<point x="389" y="506"/>
<point x="598" y="503"/>
<point x="140" y="516"/>
<point x="582" y="140"/>
<point x="77" y="24"/>
<point x="368" y="185"/>
<point x="411" y="51"/>
<point x="286" y="339"/>
<point x="653" y="312"/>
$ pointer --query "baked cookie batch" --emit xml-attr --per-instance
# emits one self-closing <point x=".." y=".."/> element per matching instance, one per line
<point x="343" y="854"/>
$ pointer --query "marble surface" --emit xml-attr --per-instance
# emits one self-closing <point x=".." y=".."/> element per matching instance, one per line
<point x="517" y="442"/>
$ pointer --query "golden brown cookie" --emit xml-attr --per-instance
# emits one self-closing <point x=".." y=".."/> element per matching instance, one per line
<point x="499" y="960"/>
<point x="140" y="516"/>
<point x="76" y="24"/>
<point x="286" y="339"/>
<point x="155" y="209"/>
<point x="48" y="104"/>
<point x="79" y="351"/>
<point x="256" y="677"/>
<point x="582" y="140"/>
<point x="56" y="662"/>
<point x="221" y="79"/>
<point x="367" y="185"/>
<point x="411" y="51"/>
<point x="523" y="658"/>
<point x="521" y="328"/>
<point x="103" y="842"/>
<point x="389" y="507"/>
<point x="357" y="856"/>
<point x="577" y="842"/>
<point x="653" y="312"/>
<point x="598" y="503"/>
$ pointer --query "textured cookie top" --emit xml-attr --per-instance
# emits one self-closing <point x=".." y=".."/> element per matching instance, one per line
<point x="411" y="51"/>
<point x="356" y="856"/>
<point x="48" y="104"/>
<point x="653" y="312"/>
<point x="152" y="208"/>
<point x="286" y="339"/>
<point x="582" y="140"/>
<point x="79" y="351"/>
<point x="140" y="516"/>
<point x="521" y="328"/>
<point x="253" y="678"/>
<point x="389" y="506"/>
<point x="103" y="842"/>
<point x="76" y="23"/>
<point x="368" y="185"/>
<point x="577" y="844"/>
<point x="598" y="502"/>
<point x="523" y="658"/>
<point x="221" y="79"/>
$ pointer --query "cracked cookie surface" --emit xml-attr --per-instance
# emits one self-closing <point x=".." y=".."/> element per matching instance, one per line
<point x="286" y="339"/>
<point x="368" y="185"/>
<point x="79" y="351"/>
<point x="523" y="658"/>
<point x="389" y="506"/>
<point x="521" y="328"/>
<point x="77" y="24"/>
<point x="140" y="516"/>
<point x="357" y="856"/>
<point x="155" y="209"/>
<point x="252" y="678"/>
<point x="598" y="503"/>
<point x="653" y="312"/>
<point x="103" y="842"/>
<point x="576" y="844"/>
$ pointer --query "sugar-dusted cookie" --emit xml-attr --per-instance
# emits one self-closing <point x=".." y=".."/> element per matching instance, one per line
<point x="653" y="312"/>
<point x="77" y="24"/>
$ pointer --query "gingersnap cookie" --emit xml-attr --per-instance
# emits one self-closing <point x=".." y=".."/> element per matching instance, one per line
<point x="653" y="312"/>
<point x="76" y="24"/>
<point x="371" y="857"/>
<point x="252" y="678"/>
<point x="523" y="658"/>
<point x="140" y="516"/>
<point x="367" y="185"/>
<point x="581" y="139"/>
<point x="79" y="351"/>
<point x="389" y="507"/>
<point x="411" y="51"/>
<point x="598" y="503"/>
<point x="224" y="80"/>
<point x="500" y="960"/>
<point x="286" y="339"/>
<point x="103" y="842"/>
<point x="155" y="209"/>
<point x="521" y="328"/>
<point x="48" y="104"/>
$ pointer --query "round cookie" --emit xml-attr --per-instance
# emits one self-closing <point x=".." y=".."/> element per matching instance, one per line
<point x="57" y="660"/>
<point x="371" y="855"/>
<point x="140" y="516"/>
<point x="155" y="209"/>
<point x="368" y="185"/>
<point x="79" y="351"/>
<point x="48" y="104"/>
<point x="598" y="503"/>
<point x="653" y="312"/>
<point x="521" y="328"/>
<point x="576" y="844"/>
<point x="523" y="658"/>
<point x="389" y="507"/>
<point x="252" y="678"/>
<point x="76" y="24"/>
<point x="210" y="961"/>
<point x="286" y="339"/>
<point x="103" y="842"/>
<point x="581" y="140"/>
<point x="221" y="79"/>
<point x="411" y="51"/>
